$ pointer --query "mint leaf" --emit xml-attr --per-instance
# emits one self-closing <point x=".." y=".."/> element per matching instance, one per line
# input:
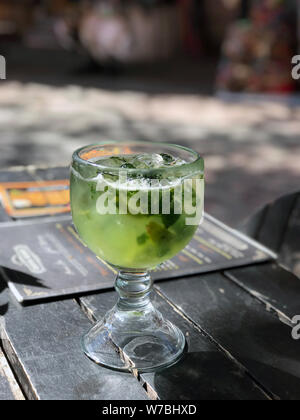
<point x="161" y="237"/>
<point x="142" y="239"/>
<point x="127" y="166"/>
<point x="169" y="219"/>
<point x="167" y="158"/>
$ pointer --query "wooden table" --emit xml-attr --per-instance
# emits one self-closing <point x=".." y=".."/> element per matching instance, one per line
<point x="237" y="323"/>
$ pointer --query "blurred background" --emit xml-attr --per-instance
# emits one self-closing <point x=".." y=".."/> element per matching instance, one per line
<point x="212" y="75"/>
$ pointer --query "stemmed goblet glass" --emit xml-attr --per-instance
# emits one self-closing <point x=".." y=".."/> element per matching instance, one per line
<point x="136" y="205"/>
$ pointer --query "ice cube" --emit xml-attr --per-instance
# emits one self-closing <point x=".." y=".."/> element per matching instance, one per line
<point x="153" y="161"/>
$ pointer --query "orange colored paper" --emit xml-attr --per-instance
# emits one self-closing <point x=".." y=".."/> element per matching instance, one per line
<point x="112" y="151"/>
<point x="37" y="198"/>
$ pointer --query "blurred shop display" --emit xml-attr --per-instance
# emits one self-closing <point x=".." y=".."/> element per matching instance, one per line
<point x="256" y="38"/>
<point x="258" y="49"/>
<point x="218" y="15"/>
<point x="15" y="18"/>
<point x="131" y="32"/>
<point x="120" y="30"/>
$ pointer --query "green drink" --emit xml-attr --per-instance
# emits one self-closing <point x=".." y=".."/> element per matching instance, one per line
<point x="136" y="241"/>
<point x="136" y="205"/>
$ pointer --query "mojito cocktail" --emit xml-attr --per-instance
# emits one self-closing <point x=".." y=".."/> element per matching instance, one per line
<point x="137" y="240"/>
<point x="136" y="205"/>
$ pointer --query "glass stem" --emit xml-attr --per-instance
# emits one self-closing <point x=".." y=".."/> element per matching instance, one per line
<point x="133" y="289"/>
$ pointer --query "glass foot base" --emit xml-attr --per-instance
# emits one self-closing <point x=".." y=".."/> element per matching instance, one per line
<point x="141" y="339"/>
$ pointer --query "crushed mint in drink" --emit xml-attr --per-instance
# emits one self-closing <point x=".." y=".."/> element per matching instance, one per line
<point x="169" y="219"/>
<point x="126" y="238"/>
<point x="168" y="159"/>
<point x="127" y="166"/>
<point x="161" y="236"/>
<point x="142" y="239"/>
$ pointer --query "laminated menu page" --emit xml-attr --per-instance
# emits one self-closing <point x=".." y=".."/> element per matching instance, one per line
<point x="45" y="258"/>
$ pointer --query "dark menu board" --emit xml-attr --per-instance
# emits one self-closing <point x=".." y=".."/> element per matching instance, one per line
<point x="44" y="258"/>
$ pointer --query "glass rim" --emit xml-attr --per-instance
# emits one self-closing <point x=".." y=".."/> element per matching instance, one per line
<point x="186" y="166"/>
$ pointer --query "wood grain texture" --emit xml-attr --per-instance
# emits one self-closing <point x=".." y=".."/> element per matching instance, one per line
<point x="290" y="248"/>
<point x="277" y="288"/>
<point x="274" y="225"/>
<point x="243" y="327"/>
<point x="43" y="344"/>
<point x="9" y="389"/>
<point x="276" y="221"/>
<point x="204" y="373"/>
<point x="253" y="224"/>
<point x="238" y="329"/>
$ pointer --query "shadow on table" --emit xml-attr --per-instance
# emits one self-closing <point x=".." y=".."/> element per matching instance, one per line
<point x="16" y="277"/>
<point x="189" y="76"/>
<point x="201" y="376"/>
<point x="206" y="376"/>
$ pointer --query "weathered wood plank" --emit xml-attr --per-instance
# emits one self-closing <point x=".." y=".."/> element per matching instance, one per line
<point x="242" y="326"/>
<point x="290" y="248"/>
<point x="9" y="389"/>
<point x="253" y="225"/>
<point x="275" y="221"/>
<point x="278" y="227"/>
<point x="43" y="344"/>
<point x="204" y="373"/>
<point x="276" y="287"/>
